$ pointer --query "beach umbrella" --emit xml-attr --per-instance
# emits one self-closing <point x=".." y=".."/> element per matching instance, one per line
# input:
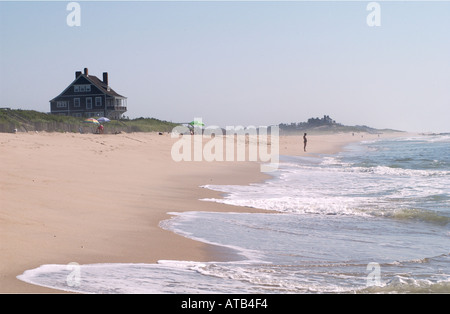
<point x="103" y="120"/>
<point x="196" y="123"/>
<point x="91" y="120"/>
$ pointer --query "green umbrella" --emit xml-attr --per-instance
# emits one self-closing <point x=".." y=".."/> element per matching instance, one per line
<point x="196" y="123"/>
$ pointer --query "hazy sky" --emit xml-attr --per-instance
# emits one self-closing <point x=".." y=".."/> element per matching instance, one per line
<point x="238" y="63"/>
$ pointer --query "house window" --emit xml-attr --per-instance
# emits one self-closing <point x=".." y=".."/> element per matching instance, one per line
<point x="82" y="88"/>
<point x="76" y="102"/>
<point x="98" y="101"/>
<point x="62" y="104"/>
<point x="94" y="114"/>
<point x="89" y="103"/>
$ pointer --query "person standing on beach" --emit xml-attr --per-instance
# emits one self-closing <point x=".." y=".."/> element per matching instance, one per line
<point x="304" y="142"/>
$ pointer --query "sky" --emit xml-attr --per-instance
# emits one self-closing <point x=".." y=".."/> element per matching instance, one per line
<point x="238" y="63"/>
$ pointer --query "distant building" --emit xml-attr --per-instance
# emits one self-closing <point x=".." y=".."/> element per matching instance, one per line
<point x="88" y="96"/>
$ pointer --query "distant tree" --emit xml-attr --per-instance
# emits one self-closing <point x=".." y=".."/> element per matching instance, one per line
<point x="311" y="122"/>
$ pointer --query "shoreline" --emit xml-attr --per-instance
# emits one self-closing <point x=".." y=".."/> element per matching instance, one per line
<point x="122" y="197"/>
<point x="88" y="199"/>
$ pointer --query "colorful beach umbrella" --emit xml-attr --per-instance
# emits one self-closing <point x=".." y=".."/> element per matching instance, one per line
<point x="91" y="120"/>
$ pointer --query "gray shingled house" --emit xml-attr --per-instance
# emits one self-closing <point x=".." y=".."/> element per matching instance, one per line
<point x="88" y="96"/>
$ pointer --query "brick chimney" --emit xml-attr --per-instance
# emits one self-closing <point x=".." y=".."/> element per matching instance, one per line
<point x="77" y="74"/>
<point x="86" y="72"/>
<point x="105" y="78"/>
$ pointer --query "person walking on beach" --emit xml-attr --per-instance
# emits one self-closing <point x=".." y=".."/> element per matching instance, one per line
<point x="304" y="142"/>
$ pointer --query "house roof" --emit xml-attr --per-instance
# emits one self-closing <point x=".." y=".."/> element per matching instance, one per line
<point x="97" y="82"/>
<point x="102" y="86"/>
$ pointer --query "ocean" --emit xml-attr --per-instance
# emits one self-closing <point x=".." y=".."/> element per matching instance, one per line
<point x="374" y="218"/>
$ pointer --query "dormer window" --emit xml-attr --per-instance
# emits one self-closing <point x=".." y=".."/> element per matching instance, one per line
<point x="82" y="88"/>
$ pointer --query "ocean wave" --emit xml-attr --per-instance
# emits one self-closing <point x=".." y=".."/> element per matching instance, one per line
<point x="304" y="205"/>
<point x="429" y="216"/>
<point x="386" y="207"/>
<point x="335" y="165"/>
<point x="443" y="258"/>
<point x="389" y="171"/>
<point x="431" y="138"/>
<point x="394" y="171"/>
<point x="405" y="284"/>
<point x="127" y="278"/>
<point x="210" y="277"/>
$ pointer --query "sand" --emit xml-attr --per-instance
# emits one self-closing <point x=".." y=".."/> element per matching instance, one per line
<point x="90" y="198"/>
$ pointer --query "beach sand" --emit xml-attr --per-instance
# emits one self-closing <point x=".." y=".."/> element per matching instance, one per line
<point x="90" y="198"/>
